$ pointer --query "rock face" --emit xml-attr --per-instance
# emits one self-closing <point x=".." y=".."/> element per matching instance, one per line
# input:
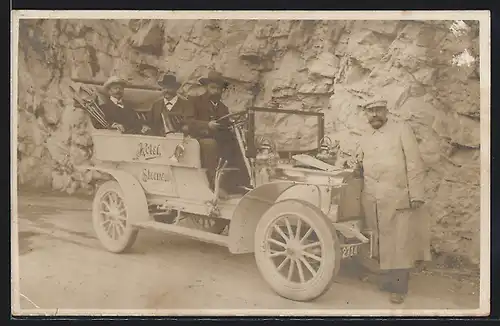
<point x="311" y="65"/>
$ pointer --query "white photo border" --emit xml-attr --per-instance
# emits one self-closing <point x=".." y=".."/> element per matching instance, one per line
<point x="483" y="16"/>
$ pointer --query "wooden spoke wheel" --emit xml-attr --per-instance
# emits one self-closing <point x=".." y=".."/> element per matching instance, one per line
<point x="110" y="219"/>
<point x="208" y="224"/>
<point x="297" y="250"/>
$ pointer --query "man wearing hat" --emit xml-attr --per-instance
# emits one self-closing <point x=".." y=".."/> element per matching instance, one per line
<point x="166" y="114"/>
<point x="208" y="107"/>
<point x="215" y="140"/>
<point x="393" y="193"/>
<point x="118" y="113"/>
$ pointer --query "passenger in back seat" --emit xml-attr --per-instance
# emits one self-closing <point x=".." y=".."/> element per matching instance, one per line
<point x="118" y="113"/>
<point x="166" y="114"/>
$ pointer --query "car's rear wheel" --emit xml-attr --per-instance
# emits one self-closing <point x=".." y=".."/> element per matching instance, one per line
<point x="110" y="219"/>
<point x="297" y="250"/>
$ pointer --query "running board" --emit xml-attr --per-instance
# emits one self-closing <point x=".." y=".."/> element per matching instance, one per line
<point x="204" y="236"/>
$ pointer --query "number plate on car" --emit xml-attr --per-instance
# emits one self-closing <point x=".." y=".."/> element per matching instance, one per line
<point x="349" y="250"/>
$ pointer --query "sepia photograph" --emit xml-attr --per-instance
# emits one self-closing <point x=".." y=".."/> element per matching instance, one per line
<point x="250" y="163"/>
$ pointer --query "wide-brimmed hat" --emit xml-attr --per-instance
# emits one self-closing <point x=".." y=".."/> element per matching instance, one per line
<point x="169" y="81"/>
<point x="214" y="77"/>
<point x="114" y="80"/>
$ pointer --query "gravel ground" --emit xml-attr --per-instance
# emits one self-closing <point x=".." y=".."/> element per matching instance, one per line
<point x="63" y="266"/>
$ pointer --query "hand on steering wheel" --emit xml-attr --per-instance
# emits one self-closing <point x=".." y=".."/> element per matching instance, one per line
<point x="233" y="118"/>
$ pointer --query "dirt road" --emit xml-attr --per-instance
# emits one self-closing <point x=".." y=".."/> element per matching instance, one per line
<point x="62" y="265"/>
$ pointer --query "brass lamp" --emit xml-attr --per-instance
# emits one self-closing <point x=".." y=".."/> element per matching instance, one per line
<point x="327" y="151"/>
<point x="265" y="160"/>
<point x="263" y="150"/>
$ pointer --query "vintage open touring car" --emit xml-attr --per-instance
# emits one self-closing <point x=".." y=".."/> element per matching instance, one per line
<point x="300" y="217"/>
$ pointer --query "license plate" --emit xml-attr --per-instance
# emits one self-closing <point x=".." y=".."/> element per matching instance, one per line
<point x="349" y="251"/>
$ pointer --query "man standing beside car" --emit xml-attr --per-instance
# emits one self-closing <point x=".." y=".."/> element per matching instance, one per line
<point x="393" y="193"/>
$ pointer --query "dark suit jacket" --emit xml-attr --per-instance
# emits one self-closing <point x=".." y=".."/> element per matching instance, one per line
<point x="174" y="118"/>
<point x="203" y="111"/>
<point x="227" y="144"/>
<point x="125" y="116"/>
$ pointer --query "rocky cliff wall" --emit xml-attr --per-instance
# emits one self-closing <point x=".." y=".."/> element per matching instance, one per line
<point x="312" y="65"/>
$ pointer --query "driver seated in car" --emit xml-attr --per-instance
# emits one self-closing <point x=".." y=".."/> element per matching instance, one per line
<point x="203" y="125"/>
<point x="166" y="114"/>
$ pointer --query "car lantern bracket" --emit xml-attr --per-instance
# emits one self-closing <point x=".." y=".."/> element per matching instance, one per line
<point x="328" y="150"/>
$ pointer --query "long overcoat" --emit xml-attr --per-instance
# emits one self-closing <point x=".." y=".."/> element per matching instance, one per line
<point x="393" y="173"/>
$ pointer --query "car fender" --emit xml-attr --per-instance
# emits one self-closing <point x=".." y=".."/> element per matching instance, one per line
<point x="134" y="196"/>
<point x="247" y="214"/>
<point x="316" y="195"/>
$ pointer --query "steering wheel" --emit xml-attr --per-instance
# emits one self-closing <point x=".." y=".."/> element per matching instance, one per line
<point x="234" y="118"/>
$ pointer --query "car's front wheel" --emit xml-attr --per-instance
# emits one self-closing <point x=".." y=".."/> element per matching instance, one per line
<point x="297" y="250"/>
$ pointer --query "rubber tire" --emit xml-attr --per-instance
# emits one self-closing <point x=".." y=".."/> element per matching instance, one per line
<point x="128" y="239"/>
<point x="325" y="231"/>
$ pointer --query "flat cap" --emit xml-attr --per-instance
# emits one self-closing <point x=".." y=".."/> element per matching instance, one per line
<point x="375" y="104"/>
